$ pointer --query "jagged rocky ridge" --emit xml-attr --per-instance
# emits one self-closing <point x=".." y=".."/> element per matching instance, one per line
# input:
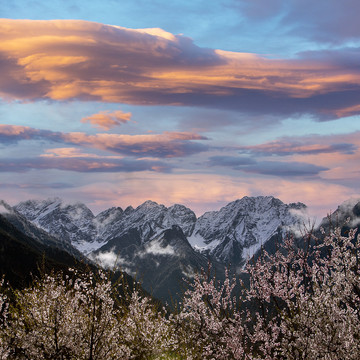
<point x="160" y="245"/>
<point x="229" y="235"/>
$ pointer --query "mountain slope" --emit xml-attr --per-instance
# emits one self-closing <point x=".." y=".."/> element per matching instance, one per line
<point x="76" y="223"/>
<point x="161" y="245"/>
<point x="230" y="235"/>
<point x="22" y="256"/>
<point x="161" y="264"/>
<point x="347" y="216"/>
<point x="239" y="229"/>
<point x="72" y="223"/>
<point x="32" y="231"/>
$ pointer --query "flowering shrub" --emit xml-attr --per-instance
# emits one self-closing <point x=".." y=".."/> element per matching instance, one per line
<point x="64" y="319"/>
<point x="211" y="323"/>
<point x="302" y="302"/>
<point x="315" y="290"/>
<point x="144" y="330"/>
<point x="4" y="348"/>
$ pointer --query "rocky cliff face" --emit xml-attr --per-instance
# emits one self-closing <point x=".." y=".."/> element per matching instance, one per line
<point x="78" y="225"/>
<point x="229" y="235"/>
<point x="149" y="219"/>
<point x="68" y="222"/>
<point x="240" y="228"/>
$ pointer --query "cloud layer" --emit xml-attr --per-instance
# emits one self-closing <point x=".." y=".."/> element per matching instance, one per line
<point x="307" y="145"/>
<point x="87" y="164"/>
<point x="216" y="125"/>
<point x="165" y="145"/>
<point x="106" y="120"/>
<point x="274" y="168"/>
<point x="63" y="60"/>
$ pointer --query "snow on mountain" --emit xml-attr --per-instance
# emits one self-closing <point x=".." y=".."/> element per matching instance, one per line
<point x="163" y="244"/>
<point x="78" y="225"/>
<point x="230" y="235"/>
<point x="69" y="222"/>
<point x="184" y="217"/>
<point x="240" y="228"/>
<point x="107" y="217"/>
<point x="149" y="219"/>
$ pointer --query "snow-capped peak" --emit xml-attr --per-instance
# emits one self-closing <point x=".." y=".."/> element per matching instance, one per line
<point x="69" y="221"/>
<point x="235" y="231"/>
<point x="241" y="227"/>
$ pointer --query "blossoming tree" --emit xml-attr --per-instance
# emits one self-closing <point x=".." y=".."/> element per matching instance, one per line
<point x="302" y="302"/>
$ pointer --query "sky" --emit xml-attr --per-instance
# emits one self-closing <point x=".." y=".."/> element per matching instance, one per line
<point x="196" y="102"/>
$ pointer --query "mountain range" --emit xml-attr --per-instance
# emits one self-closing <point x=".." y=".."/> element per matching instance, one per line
<point x="163" y="246"/>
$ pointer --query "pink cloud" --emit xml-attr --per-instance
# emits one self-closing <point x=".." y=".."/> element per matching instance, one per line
<point x="167" y="144"/>
<point x="71" y="59"/>
<point x="305" y="145"/>
<point x="24" y="132"/>
<point x="70" y="152"/>
<point x="106" y="119"/>
<point x="338" y="154"/>
<point x="85" y="164"/>
<point x="216" y="190"/>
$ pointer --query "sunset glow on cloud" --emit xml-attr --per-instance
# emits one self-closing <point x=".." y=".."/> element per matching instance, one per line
<point x="62" y="60"/>
<point x="178" y="102"/>
<point x="106" y="120"/>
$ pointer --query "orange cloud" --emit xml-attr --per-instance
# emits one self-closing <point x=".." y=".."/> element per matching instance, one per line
<point x="348" y="111"/>
<point x="71" y="152"/>
<point x="106" y="119"/>
<point x="16" y="130"/>
<point x="67" y="59"/>
<point x="167" y="144"/>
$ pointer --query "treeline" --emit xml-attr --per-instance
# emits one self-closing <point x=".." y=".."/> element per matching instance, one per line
<point x="302" y="302"/>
